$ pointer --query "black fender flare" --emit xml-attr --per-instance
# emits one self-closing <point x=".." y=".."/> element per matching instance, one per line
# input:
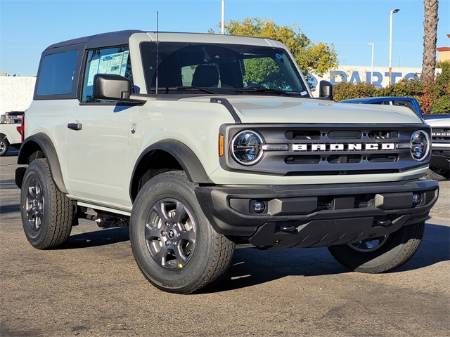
<point x="42" y="142"/>
<point x="184" y="156"/>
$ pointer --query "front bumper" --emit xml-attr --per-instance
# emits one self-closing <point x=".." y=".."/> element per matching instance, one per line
<point x="316" y="215"/>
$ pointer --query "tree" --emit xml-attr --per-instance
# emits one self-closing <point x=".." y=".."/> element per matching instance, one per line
<point x="429" y="39"/>
<point x="441" y="103"/>
<point x="317" y="58"/>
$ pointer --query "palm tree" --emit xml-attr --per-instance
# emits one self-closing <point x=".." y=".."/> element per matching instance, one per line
<point x="429" y="39"/>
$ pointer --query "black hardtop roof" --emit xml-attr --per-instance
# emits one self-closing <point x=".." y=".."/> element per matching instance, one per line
<point x="110" y="39"/>
<point x="98" y="40"/>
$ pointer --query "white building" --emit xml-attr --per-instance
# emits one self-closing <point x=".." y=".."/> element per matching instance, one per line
<point x="16" y="92"/>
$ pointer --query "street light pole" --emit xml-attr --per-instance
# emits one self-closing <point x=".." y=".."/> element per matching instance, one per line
<point x="372" y="44"/>
<point x="222" y="21"/>
<point x="391" y="13"/>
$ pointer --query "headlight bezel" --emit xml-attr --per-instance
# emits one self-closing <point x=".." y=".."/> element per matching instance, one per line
<point x="260" y="153"/>
<point x="428" y="145"/>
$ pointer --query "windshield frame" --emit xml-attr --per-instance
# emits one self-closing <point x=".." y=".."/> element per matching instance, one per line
<point x="233" y="91"/>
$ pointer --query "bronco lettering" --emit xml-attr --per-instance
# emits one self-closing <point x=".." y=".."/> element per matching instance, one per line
<point x="344" y="147"/>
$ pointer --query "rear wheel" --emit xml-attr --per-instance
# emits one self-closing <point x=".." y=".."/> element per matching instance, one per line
<point x="4" y="145"/>
<point x="173" y="243"/>
<point x="47" y="214"/>
<point x="377" y="255"/>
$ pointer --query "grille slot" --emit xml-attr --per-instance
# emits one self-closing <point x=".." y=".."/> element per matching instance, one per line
<point x="303" y="134"/>
<point x="302" y="159"/>
<point x="338" y="134"/>
<point x="382" y="158"/>
<point x="344" y="159"/>
<point x="382" y="134"/>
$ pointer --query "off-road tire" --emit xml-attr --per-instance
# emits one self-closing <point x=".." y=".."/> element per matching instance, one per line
<point x="58" y="210"/>
<point x="212" y="254"/>
<point x="397" y="250"/>
<point x="4" y="145"/>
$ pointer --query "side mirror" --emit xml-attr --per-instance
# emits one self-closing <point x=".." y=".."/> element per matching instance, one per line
<point x="325" y="90"/>
<point x="111" y="87"/>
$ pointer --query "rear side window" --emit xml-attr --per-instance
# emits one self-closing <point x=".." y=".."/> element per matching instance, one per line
<point x="114" y="60"/>
<point x="404" y="103"/>
<point x="57" y="73"/>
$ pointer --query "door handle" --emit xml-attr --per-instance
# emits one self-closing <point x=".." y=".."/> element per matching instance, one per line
<point x="75" y="126"/>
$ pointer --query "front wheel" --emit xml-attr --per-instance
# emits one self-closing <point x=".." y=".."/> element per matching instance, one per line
<point x="173" y="243"/>
<point x="378" y="255"/>
<point x="4" y="145"/>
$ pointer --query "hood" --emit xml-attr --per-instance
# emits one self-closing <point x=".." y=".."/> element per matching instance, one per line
<point x="280" y="109"/>
<point x="438" y="122"/>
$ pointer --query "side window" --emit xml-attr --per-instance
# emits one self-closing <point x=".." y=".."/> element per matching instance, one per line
<point x="57" y="73"/>
<point x="105" y="61"/>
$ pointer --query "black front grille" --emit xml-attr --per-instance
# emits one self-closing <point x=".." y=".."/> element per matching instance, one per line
<point x="342" y="137"/>
<point x="330" y="149"/>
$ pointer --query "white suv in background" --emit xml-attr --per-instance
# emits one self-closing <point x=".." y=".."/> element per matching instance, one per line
<point x="440" y="133"/>
<point x="10" y="131"/>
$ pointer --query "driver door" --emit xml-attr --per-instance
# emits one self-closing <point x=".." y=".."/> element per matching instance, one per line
<point x="98" y="136"/>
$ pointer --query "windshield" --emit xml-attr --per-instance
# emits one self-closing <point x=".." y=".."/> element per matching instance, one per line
<point x="223" y="69"/>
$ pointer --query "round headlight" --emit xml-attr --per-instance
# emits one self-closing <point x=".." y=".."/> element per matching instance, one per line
<point x="246" y="147"/>
<point x="420" y="145"/>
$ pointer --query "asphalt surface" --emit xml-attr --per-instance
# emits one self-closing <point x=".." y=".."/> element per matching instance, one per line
<point x="92" y="287"/>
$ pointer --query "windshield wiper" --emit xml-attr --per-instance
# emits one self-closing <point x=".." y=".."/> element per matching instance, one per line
<point x="269" y="90"/>
<point x="186" y="88"/>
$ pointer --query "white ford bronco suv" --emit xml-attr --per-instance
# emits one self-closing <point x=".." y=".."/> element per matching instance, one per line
<point x="203" y="141"/>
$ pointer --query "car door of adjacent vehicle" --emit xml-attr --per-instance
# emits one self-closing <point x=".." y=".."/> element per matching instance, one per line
<point x="98" y="135"/>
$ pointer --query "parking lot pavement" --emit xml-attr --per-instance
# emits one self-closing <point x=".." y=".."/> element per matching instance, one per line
<point x="92" y="287"/>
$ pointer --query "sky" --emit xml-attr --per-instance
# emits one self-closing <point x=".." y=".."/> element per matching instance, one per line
<point x="28" y="26"/>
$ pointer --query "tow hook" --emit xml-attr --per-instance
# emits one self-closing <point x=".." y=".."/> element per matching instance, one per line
<point x="289" y="229"/>
<point x="384" y="222"/>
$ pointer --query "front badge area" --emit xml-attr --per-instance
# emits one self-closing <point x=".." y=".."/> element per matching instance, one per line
<point x="343" y="147"/>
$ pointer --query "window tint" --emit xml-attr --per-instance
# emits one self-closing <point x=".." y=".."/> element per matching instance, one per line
<point x="105" y="61"/>
<point x="57" y="72"/>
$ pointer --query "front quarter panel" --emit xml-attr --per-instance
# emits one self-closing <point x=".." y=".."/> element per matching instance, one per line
<point x="193" y="124"/>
